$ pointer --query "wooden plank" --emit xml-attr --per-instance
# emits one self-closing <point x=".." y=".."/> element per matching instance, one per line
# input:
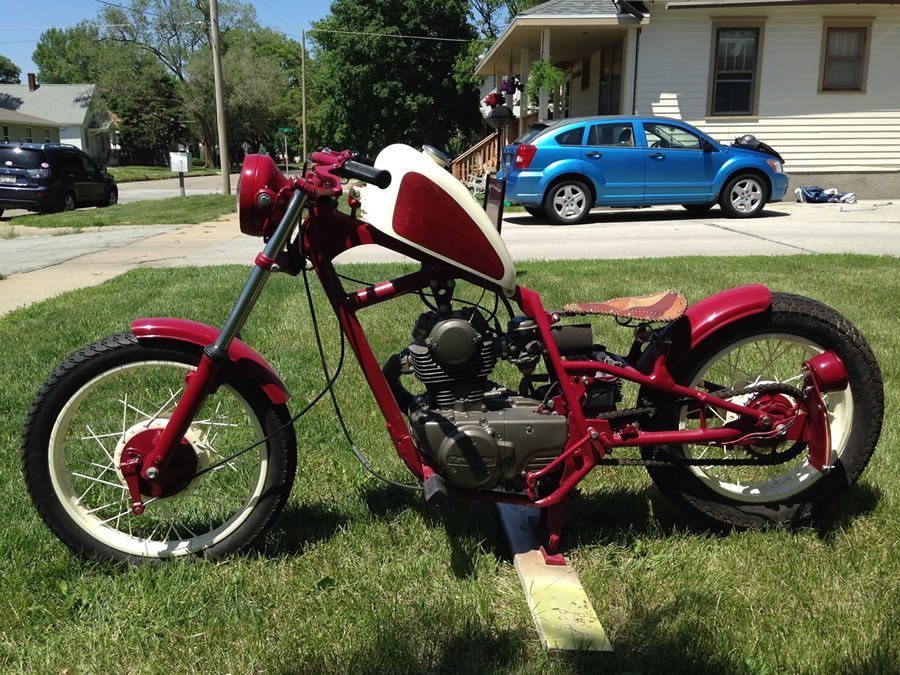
<point x="562" y="613"/>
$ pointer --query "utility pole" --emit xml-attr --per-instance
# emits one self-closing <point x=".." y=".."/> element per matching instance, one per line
<point x="303" y="87"/>
<point x="220" y="98"/>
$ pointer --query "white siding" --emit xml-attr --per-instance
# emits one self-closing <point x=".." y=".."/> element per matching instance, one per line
<point x="71" y="135"/>
<point x="813" y="131"/>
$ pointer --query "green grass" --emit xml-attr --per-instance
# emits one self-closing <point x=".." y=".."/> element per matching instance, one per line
<point x="174" y="210"/>
<point x="355" y="577"/>
<point x="129" y="174"/>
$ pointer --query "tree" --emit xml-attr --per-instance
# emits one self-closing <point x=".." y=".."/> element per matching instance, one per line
<point x="9" y="71"/>
<point x="172" y="31"/>
<point x="69" y="55"/>
<point x="374" y="90"/>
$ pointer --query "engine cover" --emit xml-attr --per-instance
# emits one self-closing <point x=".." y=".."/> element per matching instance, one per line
<point x="479" y="448"/>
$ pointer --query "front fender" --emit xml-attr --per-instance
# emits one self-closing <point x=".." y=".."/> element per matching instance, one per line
<point x="705" y="318"/>
<point x="246" y="361"/>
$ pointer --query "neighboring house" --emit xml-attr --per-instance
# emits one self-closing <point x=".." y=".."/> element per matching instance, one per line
<point x="63" y="109"/>
<point x="819" y="81"/>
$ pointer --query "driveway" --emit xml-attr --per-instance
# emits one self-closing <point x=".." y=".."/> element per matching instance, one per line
<point x="40" y="264"/>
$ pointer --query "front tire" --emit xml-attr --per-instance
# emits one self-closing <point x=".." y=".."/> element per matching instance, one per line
<point x="568" y="202"/>
<point x="744" y="196"/>
<point x="767" y="348"/>
<point x="112" y="198"/>
<point x="115" y="388"/>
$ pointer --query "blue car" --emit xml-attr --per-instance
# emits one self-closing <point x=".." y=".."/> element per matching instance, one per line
<point x="563" y="169"/>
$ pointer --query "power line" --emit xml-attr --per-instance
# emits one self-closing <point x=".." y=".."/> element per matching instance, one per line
<point x="144" y="11"/>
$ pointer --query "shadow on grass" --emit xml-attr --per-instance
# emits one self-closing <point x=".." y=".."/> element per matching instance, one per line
<point x="299" y="526"/>
<point x="637" y="215"/>
<point x="859" y="500"/>
<point x="471" y="527"/>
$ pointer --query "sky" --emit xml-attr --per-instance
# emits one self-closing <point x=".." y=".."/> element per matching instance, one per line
<point x="23" y="22"/>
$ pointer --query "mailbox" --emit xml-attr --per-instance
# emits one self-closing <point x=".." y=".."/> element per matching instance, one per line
<point x="180" y="162"/>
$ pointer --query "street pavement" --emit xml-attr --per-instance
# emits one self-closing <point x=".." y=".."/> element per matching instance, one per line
<point x="40" y="264"/>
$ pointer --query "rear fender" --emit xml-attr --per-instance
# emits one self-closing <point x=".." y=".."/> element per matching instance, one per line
<point x="705" y="318"/>
<point x="246" y="362"/>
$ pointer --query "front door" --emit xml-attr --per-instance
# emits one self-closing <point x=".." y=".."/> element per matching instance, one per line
<point x="675" y="165"/>
<point x="614" y="164"/>
<point x="610" y="94"/>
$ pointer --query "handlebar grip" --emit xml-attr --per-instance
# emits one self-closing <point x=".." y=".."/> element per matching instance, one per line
<point x="366" y="173"/>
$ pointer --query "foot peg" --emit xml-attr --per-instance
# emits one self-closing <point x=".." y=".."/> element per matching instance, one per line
<point x="435" y="491"/>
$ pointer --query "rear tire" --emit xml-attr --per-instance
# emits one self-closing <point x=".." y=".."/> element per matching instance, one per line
<point x="568" y="202"/>
<point x="116" y="388"/>
<point x="770" y="347"/>
<point x="67" y="203"/>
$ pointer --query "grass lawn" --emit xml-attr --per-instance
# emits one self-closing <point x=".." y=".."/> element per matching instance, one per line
<point x="174" y="210"/>
<point x="355" y="577"/>
<point x="128" y="174"/>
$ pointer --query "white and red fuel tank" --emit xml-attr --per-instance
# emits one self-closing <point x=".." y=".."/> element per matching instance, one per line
<point x="430" y="210"/>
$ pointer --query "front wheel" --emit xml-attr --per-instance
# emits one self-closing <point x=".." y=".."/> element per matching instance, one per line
<point x="769" y="349"/>
<point x="744" y="196"/>
<point x="111" y="199"/>
<point x="111" y="391"/>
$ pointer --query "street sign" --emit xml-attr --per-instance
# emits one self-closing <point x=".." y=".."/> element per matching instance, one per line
<point x="285" y="130"/>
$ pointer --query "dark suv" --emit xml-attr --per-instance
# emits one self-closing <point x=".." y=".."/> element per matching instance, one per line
<point x="52" y="177"/>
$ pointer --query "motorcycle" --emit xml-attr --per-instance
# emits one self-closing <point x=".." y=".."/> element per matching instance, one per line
<point x="754" y="407"/>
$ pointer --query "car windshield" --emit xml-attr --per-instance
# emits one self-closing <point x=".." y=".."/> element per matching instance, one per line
<point x="21" y="158"/>
<point x="531" y="134"/>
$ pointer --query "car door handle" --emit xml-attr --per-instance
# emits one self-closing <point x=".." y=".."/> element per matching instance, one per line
<point x="657" y="155"/>
<point x="594" y="154"/>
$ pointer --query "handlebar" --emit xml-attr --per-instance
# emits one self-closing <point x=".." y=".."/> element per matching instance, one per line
<point x="366" y="173"/>
<point x="342" y="164"/>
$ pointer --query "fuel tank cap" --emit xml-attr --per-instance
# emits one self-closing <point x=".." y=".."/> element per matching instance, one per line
<point x="439" y="157"/>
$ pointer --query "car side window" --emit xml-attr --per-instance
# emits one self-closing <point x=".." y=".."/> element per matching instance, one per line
<point x="88" y="165"/>
<point x="571" y="137"/>
<point x="615" y="133"/>
<point x="669" y="136"/>
<point x="68" y="162"/>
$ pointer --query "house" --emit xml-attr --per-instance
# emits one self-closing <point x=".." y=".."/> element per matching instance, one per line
<point x="818" y="80"/>
<point x="58" y="113"/>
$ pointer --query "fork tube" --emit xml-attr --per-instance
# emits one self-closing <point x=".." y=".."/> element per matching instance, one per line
<point x="258" y="277"/>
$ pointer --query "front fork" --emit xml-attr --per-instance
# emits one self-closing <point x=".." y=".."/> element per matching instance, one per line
<point x="137" y="463"/>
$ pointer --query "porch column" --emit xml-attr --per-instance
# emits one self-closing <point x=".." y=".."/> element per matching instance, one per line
<point x="545" y="56"/>
<point x="524" y="65"/>
<point x="629" y="68"/>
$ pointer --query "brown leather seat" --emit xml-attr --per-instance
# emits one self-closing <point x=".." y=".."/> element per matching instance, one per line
<point x="663" y="306"/>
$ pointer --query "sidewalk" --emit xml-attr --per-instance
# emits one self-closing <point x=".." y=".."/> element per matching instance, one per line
<point x="40" y="264"/>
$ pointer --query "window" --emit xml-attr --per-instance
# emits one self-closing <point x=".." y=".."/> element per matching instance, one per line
<point x="670" y="136"/>
<point x="88" y="165"/>
<point x="612" y="134"/>
<point x="6" y="134"/>
<point x="844" y="51"/>
<point x="28" y="136"/>
<point x="47" y="137"/>
<point x="585" y="74"/>
<point x="571" y="137"/>
<point x="735" y="70"/>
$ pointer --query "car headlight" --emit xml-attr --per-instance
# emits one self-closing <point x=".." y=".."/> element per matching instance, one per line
<point x="775" y="165"/>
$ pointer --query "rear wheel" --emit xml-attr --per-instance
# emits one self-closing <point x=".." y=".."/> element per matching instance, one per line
<point x="770" y="349"/>
<point x="568" y="202"/>
<point x="68" y="202"/>
<point x="107" y="394"/>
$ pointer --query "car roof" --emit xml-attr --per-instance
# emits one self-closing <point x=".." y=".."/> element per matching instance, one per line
<point x="38" y="146"/>
<point x="555" y="124"/>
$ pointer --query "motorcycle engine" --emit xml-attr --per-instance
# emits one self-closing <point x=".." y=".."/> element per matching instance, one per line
<point x="477" y="434"/>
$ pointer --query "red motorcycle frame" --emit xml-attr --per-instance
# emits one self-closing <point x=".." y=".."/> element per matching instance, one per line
<point x="327" y="232"/>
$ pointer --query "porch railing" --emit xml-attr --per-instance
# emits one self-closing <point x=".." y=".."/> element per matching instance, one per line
<point x="477" y="160"/>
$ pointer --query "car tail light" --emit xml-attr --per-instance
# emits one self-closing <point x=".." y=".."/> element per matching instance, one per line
<point x="261" y="202"/>
<point x="524" y="155"/>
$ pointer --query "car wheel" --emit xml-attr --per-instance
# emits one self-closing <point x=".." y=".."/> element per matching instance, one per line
<point x="68" y="202"/>
<point x="744" y="196"/>
<point x="568" y="202"/>
<point x="534" y="211"/>
<point x="697" y="209"/>
<point x="112" y="198"/>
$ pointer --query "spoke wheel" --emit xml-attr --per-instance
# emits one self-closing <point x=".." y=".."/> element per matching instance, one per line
<point x="769" y="349"/>
<point x="101" y="399"/>
<point x="568" y="203"/>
